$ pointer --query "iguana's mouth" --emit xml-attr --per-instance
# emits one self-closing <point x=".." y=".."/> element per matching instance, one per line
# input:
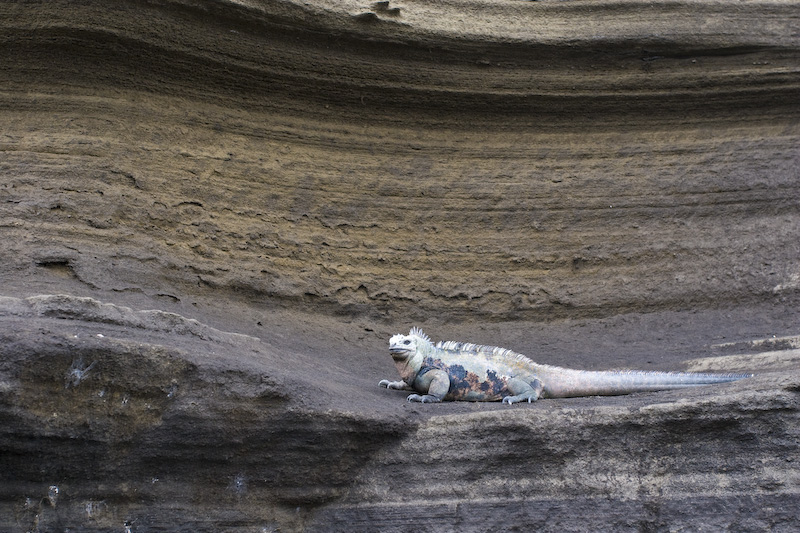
<point x="398" y="353"/>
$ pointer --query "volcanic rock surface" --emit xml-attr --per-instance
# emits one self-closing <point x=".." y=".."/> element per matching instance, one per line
<point x="215" y="213"/>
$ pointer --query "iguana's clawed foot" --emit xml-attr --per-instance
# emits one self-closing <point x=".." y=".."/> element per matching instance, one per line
<point x="427" y="398"/>
<point x="526" y="390"/>
<point x="530" y="396"/>
<point x="396" y="385"/>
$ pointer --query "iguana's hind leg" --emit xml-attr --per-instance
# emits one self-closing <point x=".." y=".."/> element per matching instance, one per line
<point x="435" y="382"/>
<point x="523" y="390"/>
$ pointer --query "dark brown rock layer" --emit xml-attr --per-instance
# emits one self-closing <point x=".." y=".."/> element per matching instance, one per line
<point x="595" y="184"/>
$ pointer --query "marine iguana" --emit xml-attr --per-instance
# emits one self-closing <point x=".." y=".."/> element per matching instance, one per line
<point x="470" y="372"/>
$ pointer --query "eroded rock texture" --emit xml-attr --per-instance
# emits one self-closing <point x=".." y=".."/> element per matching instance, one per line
<point x="214" y="214"/>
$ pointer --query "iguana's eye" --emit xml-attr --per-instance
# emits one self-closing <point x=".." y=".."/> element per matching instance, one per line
<point x="406" y="341"/>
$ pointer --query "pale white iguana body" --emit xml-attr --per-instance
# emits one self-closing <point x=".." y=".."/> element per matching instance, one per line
<point x="462" y="371"/>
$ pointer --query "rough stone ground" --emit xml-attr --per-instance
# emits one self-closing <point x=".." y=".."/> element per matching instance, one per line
<point x="214" y="215"/>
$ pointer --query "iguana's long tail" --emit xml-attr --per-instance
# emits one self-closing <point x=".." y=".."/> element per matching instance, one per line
<point x="565" y="383"/>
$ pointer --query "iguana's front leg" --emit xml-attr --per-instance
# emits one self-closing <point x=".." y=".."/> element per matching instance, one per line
<point x="435" y="382"/>
<point x="394" y="385"/>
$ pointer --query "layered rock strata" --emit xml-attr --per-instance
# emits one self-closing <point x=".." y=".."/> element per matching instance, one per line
<point x="214" y="213"/>
<point x="599" y="157"/>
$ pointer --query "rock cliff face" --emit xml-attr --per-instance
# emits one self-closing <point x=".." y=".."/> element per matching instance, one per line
<point x="214" y="214"/>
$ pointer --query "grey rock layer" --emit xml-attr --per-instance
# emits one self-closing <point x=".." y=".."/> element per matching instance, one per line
<point x="115" y="418"/>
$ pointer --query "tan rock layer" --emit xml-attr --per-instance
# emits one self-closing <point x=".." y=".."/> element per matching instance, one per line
<point x="517" y="160"/>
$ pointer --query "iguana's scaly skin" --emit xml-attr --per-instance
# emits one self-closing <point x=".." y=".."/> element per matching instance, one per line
<point x="461" y="371"/>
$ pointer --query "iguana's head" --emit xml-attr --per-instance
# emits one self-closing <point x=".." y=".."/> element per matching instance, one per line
<point x="408" y="352"/>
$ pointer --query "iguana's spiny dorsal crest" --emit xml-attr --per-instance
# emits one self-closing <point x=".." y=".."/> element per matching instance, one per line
<point x="465" y="371"/>
<point x="482" y="349"/>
